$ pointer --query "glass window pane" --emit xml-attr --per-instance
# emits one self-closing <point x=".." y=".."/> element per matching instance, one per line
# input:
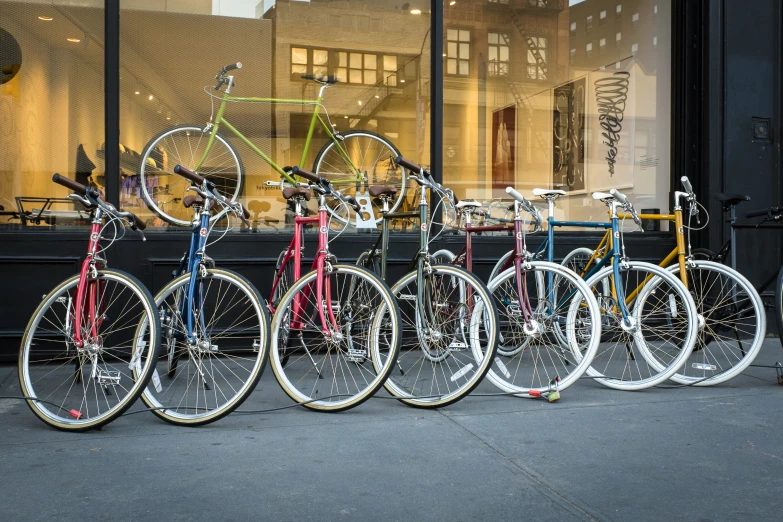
<point x="464" y="36"/>
<point x="356" y="76"/>
<point x="370" y="61"/>
<point x="452" y="50"/>
<point x="298" y="55"/>
<point x="464" y="51"/>
<point x="463" y="67"/>
<point x="389" y="63"/>
<point x="342" y="59"/>
<point x="298" y="69"/>
<point x="320" y="70"/>
<point x="493" y="53"/>
<point x="452" y="34"/>
<point x="341" y="73"/>
<point x="370" y="76"/>
<point x="451" y="66"/>
<point x="320" y="57"/>
<point x="356" y="61"/>
<point x="504" y="54"/>
<point x="493" y="38"/>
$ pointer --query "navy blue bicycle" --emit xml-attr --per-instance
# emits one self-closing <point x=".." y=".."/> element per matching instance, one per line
<point x="215" y="341"/>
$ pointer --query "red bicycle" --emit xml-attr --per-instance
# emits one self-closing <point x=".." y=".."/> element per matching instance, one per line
<point x="336" y="330"/>
<point x="90" y="347"/>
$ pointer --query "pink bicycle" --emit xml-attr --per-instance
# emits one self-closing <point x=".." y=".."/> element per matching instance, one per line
<point x="335" y="331"/>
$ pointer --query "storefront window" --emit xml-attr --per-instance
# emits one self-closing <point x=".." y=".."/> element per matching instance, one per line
<point x="51" y="108"/>
<point x="379" y="53"/>
<point x="573" y="113"/>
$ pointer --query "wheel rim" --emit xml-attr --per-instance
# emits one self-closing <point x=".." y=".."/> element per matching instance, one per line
<point x="335" y="372"/>
<point x="564" y="333"/>
<point x="659" y="341"/>
<point x="185" y="146"/>
<point x="375" y="159"/>
<point x="102" y="378"/>
<point x="462" y="331"/>
<point x="217" y="372"/>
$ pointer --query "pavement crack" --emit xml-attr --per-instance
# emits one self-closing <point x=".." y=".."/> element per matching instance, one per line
<point x="547" y="488"/>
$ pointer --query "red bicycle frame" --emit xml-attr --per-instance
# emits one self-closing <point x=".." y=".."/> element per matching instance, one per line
<point x="323" y="287"/>
<point x="88" y="289"/>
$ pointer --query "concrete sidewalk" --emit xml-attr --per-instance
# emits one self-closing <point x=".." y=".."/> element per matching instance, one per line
<point x="598" y="454"/>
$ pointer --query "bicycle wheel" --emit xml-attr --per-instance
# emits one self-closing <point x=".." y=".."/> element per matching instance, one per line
<point x="659" y="334"/>
<point x="220" y="369"/>
<point x="342" y="367"/>
<point x="365" y="154"/>
<point x="732" y="323"/>
<point x="448" y="344"/>
<point x="498" y="268"/>
<point x="555" y="339"/>
<point x="286" y="278"/>
<point x="779" y="305"/>
<point x="185" y="145"/>
<point x="371" y="263"/>
<point x="443" y="256"/>
<point x="82" y="388"/>
<point x="578" y="259"/>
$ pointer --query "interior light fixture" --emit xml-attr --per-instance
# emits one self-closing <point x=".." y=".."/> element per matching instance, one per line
<point x="151" y="97"/>
<point x="377" y="95"/>
<point x="415" y="11"/>
<point x="360" y="102"/>
<point x="346" y="117"/>
<point x="136" y="92"/>
<point x="402" y="80"/>
<point x="74" y="40"/>
<point x="453" y="2"/>
<point x="46" y="18"/>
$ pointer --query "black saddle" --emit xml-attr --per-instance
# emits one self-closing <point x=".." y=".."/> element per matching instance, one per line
<point x="729" y="200"/>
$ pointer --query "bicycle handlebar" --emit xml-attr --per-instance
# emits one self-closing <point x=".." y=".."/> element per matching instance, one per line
<point x="765" y="212"/>
<point x="189" y="174"/>
<point x="402" y="162"/>
<point x="231" y="67"/>
<point x="526" y="204"/>
<point x="71" y="184"/>
<point x="94" y="198"/>
<point x="306" y="174"/>
<point x="619" y="196"/>
<point x="686" y="184"/>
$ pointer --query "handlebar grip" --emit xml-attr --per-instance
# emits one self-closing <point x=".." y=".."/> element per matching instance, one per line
<point x="757" y="213"/>
<point x="353" y="203"/>
<point x="308" y="77"/>
<point x="516" y="195"/>
<point x="686" y="184"/>
<point x="189" y="174"/>
<point x="71" y="184"/>
<point x="402" y="162"/>
<point x="619" y="196"/>
<point x="232" y="66"/>
<point x="137" y="222"/>
<point x="306" y="174"/>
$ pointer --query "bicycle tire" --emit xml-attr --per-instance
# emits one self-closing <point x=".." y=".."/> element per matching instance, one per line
<point x="543" y="364"/>
<point x="220" y="370"/>
<point x="725" y="301"/>
<point x="135" y="356"/>
<point x="371" y="331"/>
<point x="631" y="372"/>
<point x="703" y="254"/>
<point x="229" y="175"/>
<point x="498" y="268"/>
<point x="331" y="165"/>
<point x="779" y="305"/>
<point x="480" y="345"/>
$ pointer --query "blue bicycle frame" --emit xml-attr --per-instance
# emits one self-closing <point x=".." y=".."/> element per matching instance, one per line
<point x="190" y="263"/>
<point x="611" y="256"/>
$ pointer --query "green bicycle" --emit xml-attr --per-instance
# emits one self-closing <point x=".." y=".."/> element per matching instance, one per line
<point x="352" y="160"/>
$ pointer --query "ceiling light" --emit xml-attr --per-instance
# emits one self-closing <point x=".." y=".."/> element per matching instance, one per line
<point x="360" y="103"/>
<point x="46" y="18"/>
<point x="150" y="98"/>
<point x="168" y="117"/>
<point x="402" y="80"/>
<point x="377" y="95"/>
<point x="453" y="2"/>
<point x="415" y="11"/>
<point x="136" y="92"/>
<point x="74" y="40"/>
<point x="346" y="117"/>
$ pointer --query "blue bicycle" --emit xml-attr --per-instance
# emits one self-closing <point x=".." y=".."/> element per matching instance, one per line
<point x="215" y="325"/>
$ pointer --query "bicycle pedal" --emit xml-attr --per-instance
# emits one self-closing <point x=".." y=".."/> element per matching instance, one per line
<point x="105" y="377"/>
<point x="553" y="396"/>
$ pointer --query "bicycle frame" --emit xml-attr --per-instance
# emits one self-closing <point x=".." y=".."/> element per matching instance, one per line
<point x="316" y="119"/>
<point x="87" y="290"/>
<point x="323" y="288"/>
